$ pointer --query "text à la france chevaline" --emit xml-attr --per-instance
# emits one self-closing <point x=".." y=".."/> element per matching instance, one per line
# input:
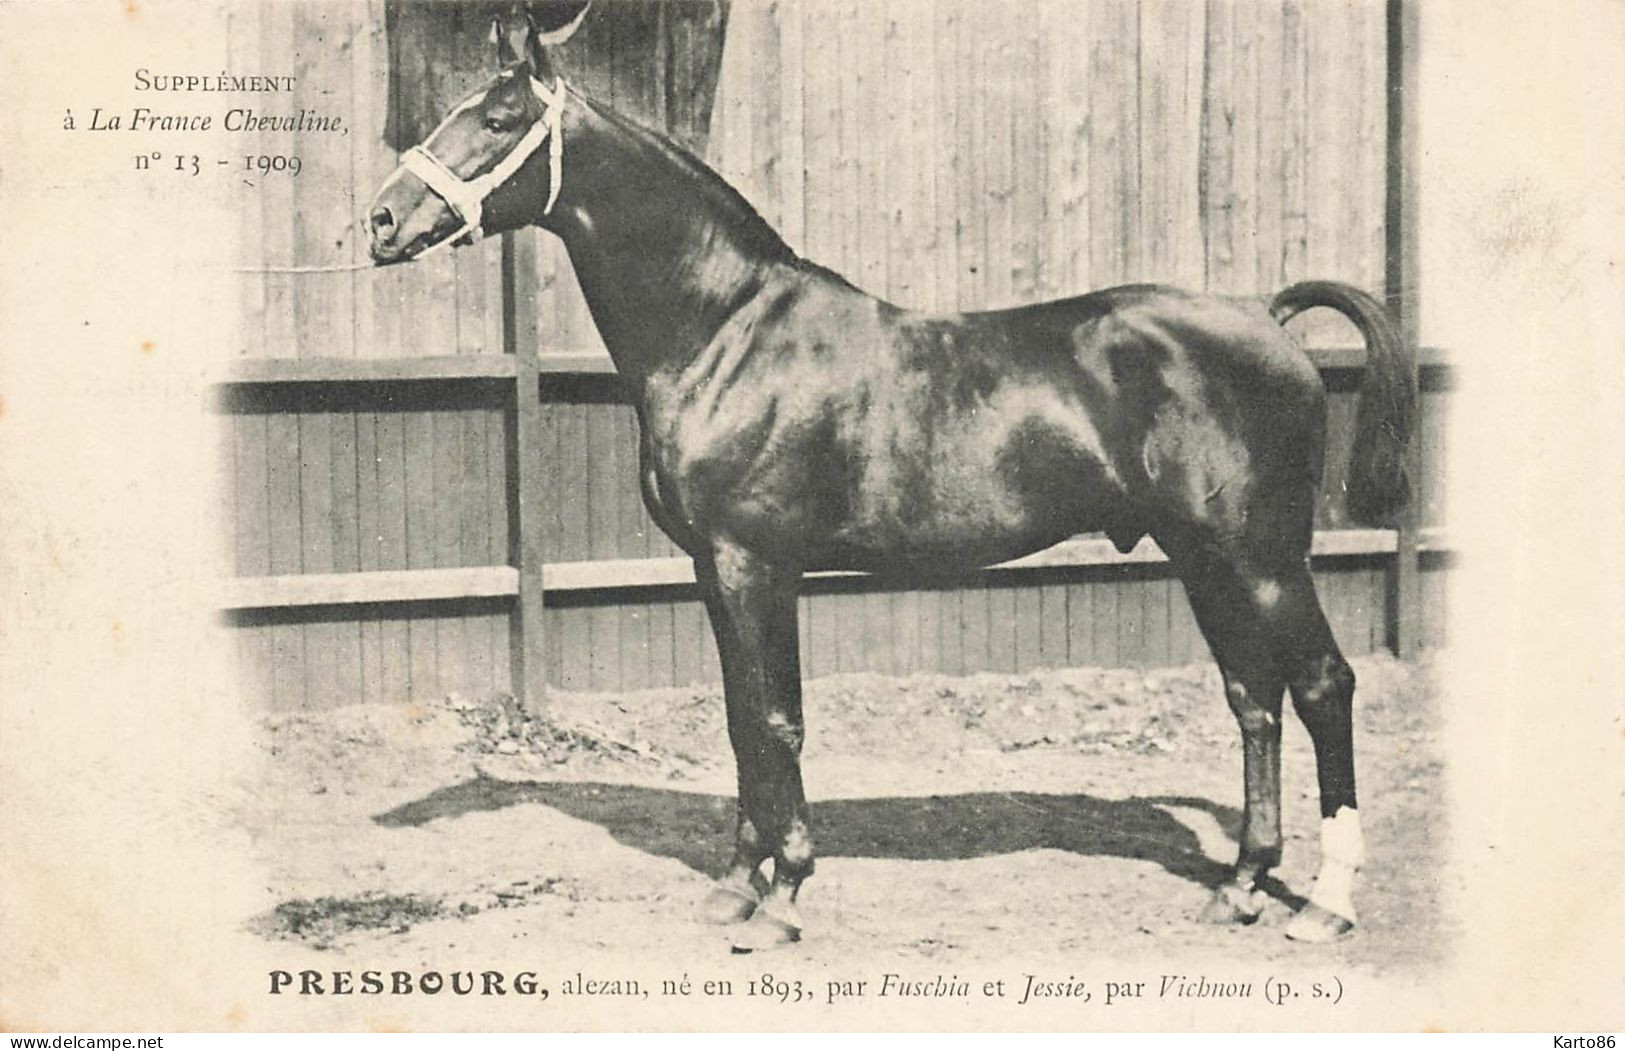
<point x="237" y="118"/>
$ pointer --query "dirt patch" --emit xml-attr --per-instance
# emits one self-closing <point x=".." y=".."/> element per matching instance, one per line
<point x="326" y="922"/>
<point x="981" y="817"/>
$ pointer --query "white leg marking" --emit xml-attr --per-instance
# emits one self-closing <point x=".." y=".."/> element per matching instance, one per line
<point x="1342" y="851"/>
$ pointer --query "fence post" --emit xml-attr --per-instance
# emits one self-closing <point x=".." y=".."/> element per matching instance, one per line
<point x="527" y="658"/>
<point x="1404" y="295"/>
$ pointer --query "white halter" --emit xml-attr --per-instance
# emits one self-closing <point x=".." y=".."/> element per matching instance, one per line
<point x="466" y="197"/>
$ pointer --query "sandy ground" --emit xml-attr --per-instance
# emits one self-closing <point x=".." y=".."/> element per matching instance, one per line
<point x="1072" y="815"/>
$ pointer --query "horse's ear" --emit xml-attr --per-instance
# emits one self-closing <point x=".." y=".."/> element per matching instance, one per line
<point x="553" y="22"/>
<point x="506" y="56"/>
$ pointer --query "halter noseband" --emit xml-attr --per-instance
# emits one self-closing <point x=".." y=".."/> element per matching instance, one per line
<point x="466" y="197"/>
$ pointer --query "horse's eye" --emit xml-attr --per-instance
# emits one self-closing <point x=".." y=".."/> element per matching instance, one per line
<point x="496" y="125"/>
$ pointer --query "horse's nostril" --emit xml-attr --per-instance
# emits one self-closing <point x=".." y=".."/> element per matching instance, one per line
<point x="383" y="221"/>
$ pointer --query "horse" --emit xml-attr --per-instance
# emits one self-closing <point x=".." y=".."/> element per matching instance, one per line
<point x="791" y="422"/>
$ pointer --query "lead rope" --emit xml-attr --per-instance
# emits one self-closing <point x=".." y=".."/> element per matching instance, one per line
<point x="466" y="197"/>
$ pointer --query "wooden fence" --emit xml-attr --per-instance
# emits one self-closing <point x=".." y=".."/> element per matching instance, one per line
<point x="433" y="468"/>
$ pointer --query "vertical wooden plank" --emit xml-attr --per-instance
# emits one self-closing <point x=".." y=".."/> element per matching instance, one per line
<point x="394" y="643"/>
<point x="277" y="34"/>
<point x="1238" y="25"/>
<point x="1268" y="177"/>
<point x="421" y="633"/>
<point x="603" y="647"/>
<point x="1029" y="627"/>
<point x="766" y="113"/>
<point x="282" y="481"/>
<point x="1114" y="149"/>
<point x="1367" y="232"/>
<point x="851" y="632"/>
<point x="1001" y="628"/>
<point x="328" y="191"/>
<point x="973" y="627"/>
<point x="951" y="161"/>
<point x="1158" y="599"/>
<point x="450" y="495"/>
<point x="689" y="623"/>
<point x="1293" y="186"/>
<point x="249" y="45"/>
<point x="526" y="502"/>
<point x="369" y="537"/>
<point x="1105" y="633"/>
<point x="1169" y="119"/>
<point x="1403" y="279"/>
<point x="878" y="653"/>
<point x="1221" y="159"/>
<point x="1185" y="638"/>
<point x="1331" y="200"/>
<point x="791" y="134"/>
<point x="998" y="89"/>
<point x="345" y="524"/>
<point x="1067" y="132"/>
<point x="710" y="669"/>
<point x="804" y="635"/>
<point x="905" y="632"/>
<point x="822" y="639"/>
<point x="370" y="160"/>
<point x="952" y="635"/>
<point x="820" y="187"/>
<point x="639" y="537"/>
<point x="575" y="648"/>
<point x="633" y="633"/>
<point x="577" y="468"/>
<point x="1080" y="627"/>
<point x="256" y="658"/>
<point x="662" y="657"/>
<point x="1028" y="151"/>
<point x="848" y="159"/>
<point x="1052" y="617"/>
<point x="603" y="495"/>
<point x="970" y="144"/>
<point x="474" y="541"/>
<point x="1131" y="624"/>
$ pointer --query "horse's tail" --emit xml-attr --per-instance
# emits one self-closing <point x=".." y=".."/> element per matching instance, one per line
<point x="1379" y="482"/>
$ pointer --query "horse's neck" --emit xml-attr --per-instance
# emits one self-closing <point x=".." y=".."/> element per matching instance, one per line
<point x="664" y="254"/>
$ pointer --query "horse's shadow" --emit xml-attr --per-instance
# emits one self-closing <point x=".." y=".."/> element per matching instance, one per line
<point x="696" y="828"/>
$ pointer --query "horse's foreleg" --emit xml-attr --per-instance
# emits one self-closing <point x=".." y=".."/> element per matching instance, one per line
<point x="740" y="889"/>
<point x="753" y="612"/>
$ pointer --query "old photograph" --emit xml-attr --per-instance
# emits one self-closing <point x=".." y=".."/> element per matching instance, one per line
<point x="812" y="515"/>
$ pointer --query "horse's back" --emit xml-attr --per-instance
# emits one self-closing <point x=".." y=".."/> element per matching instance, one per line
<point x="861" y="435"/>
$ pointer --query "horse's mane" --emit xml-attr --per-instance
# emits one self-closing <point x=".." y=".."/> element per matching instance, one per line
<point x="728" y="206"/>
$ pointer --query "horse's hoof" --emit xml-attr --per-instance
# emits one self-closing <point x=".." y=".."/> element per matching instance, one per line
<point x="765" y="931"/>
<point x="727" y="905"/>
<point x="1233" y="904"/>
<point x="1317" y="925"/>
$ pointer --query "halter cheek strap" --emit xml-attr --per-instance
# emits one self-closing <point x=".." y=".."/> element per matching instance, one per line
<point x="466" y="197"/>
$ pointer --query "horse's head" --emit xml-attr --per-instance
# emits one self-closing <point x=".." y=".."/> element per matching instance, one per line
<point x="494" y="163"/>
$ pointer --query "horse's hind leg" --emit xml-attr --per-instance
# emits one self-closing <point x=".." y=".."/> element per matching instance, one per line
<point x="752" y="604"/>
<point x="1266" y="630"/>
<point x="1227" y="613"/>
<point x="1322" y="685"/>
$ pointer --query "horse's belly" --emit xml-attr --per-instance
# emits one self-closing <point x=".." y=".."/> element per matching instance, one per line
<point x="974" y="504"/>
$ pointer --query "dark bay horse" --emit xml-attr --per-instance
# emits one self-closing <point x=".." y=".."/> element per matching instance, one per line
<point x="791" y="422"/>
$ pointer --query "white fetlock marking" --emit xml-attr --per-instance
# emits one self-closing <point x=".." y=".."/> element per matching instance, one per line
<point x="779" y="905"/>
<point x="1342" y="851"/>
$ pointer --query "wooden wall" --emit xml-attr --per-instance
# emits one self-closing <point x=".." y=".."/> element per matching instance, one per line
<point x="947" y="154"/>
